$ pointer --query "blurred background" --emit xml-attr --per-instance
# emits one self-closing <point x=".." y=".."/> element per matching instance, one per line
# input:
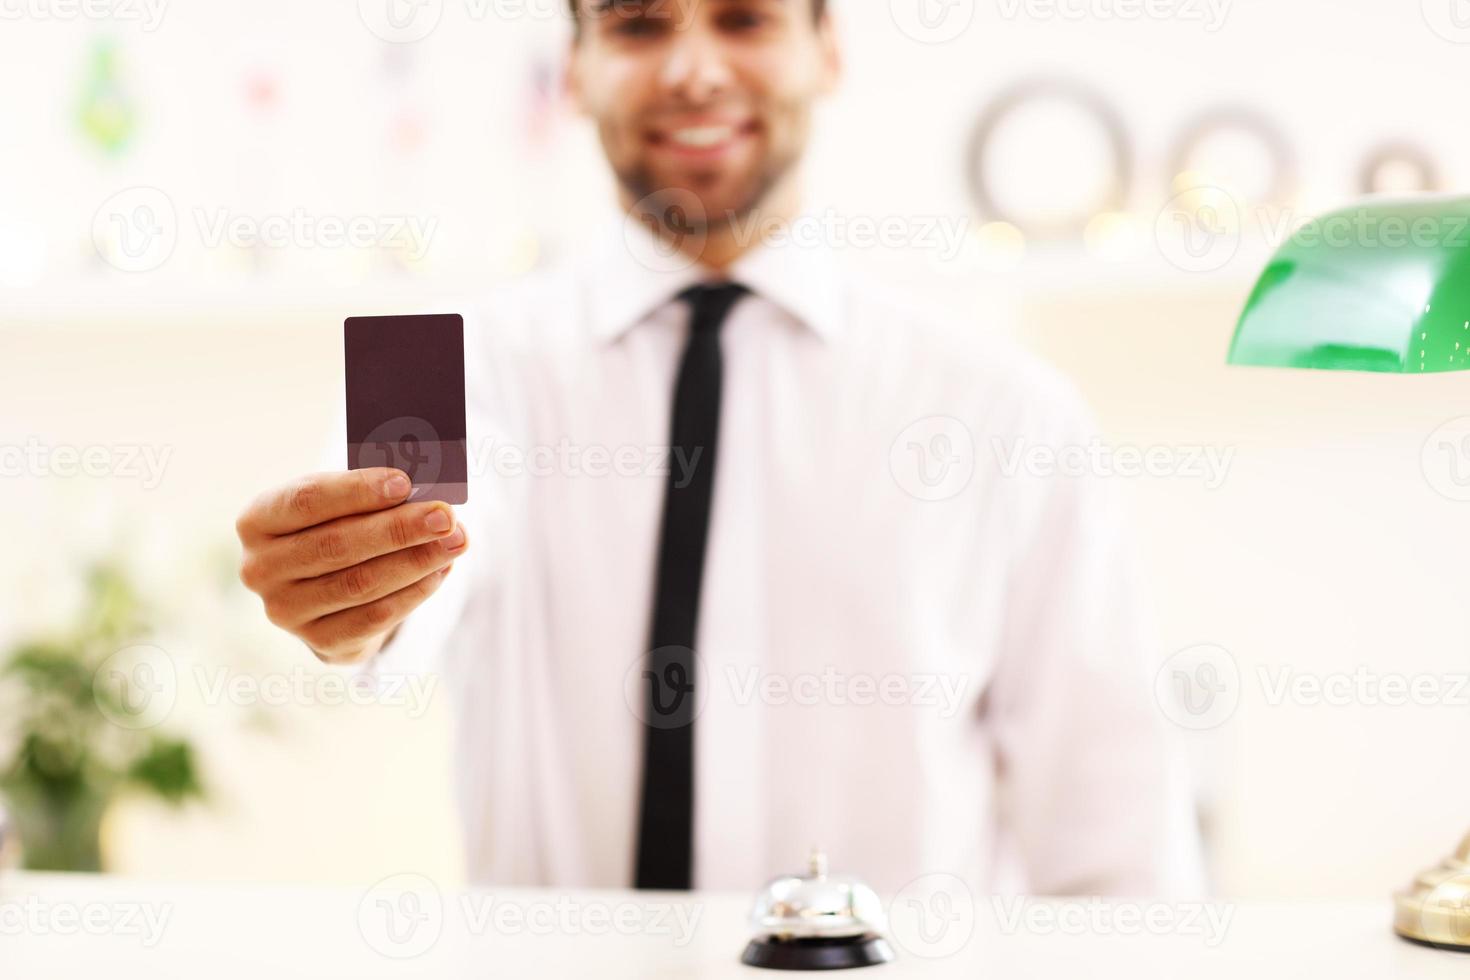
<point x="194" y="194"/>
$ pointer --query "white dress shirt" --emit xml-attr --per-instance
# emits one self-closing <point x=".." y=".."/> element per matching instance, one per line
<point x="910" y="654"/>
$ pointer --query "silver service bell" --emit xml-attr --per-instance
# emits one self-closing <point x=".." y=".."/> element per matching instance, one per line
<point x="817" y="921"/>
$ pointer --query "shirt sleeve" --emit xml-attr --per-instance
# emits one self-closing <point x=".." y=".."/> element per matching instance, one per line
<point x="1092" y="782"/>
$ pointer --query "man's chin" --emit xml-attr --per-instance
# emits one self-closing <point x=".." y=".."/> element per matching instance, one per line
<point x="706" y="199"/>
<point x="704" y="206"/>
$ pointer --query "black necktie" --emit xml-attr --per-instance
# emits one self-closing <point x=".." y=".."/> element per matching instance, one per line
<point x="666" y="814"/>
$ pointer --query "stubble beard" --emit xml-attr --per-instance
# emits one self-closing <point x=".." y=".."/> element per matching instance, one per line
<point x="640" y="185"/>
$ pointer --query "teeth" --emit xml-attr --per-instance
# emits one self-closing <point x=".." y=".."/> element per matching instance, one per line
<point x="702" y="137"/>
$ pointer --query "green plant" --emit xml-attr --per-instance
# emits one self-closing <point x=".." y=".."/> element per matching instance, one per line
<point x="68" y="758"/>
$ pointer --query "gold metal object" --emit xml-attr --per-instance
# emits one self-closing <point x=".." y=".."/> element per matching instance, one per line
<point x="1435" y="910"/>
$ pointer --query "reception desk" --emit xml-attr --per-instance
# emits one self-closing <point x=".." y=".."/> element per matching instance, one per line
<point x="54" y="926"/>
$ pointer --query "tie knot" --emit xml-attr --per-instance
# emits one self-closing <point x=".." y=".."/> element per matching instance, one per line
<point x="712" y="302"/>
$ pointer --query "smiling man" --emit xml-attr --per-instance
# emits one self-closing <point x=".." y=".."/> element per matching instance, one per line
<point x="842" y="621"/>
<point x="717" y="136"/>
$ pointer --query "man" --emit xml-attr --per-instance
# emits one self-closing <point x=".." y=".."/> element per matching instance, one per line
<point x="822" y="611"/>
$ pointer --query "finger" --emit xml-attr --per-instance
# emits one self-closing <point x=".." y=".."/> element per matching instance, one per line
<point x="349" y="541"/>
<point x="349" y="629"/>
<point x="303" y="602"/>
<point x="323" y="497"/>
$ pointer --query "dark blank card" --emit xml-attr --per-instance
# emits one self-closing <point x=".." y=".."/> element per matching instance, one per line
<point x="405" y="400"/>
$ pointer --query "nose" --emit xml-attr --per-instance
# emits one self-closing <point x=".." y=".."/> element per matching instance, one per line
<point x="696" y="70"/>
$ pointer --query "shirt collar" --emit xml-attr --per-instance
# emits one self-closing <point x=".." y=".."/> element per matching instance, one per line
<point x="633" y="275"/>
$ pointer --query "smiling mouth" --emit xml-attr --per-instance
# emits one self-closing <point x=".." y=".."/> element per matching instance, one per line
<point x="704" y="139"/>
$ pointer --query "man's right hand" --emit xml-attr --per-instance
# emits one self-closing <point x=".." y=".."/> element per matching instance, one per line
<point x="339" y="559"/>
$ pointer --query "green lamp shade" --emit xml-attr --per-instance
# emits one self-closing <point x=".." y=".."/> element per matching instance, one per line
<point x="1382" y="286"/>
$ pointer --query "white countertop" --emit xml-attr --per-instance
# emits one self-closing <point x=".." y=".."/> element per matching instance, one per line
<point x="74" y="926"/>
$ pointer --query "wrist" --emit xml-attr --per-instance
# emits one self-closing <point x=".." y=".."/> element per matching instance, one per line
<point x="353" y="657"/>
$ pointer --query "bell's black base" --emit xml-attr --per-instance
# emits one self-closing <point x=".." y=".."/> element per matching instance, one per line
<point x="817" y="954"/>
<point x="1434" y="945"/>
